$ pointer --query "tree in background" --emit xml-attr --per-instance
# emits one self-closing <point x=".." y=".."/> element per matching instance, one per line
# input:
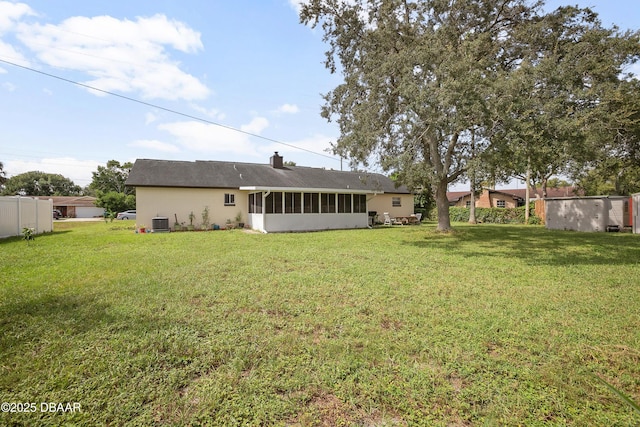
<point x="615" y="168"/>
<point x="554" y="101"/>
<point x="113" y="202"/>
<point x="37" y="183"/>
<point x="112" y="177"/>
<point x="3" y="177"/>
<point x="430" y="85"/>
<point x="109" y="185"/>
<point x="419" y="77"/>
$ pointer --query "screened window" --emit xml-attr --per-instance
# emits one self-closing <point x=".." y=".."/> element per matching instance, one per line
<point x="359" y="203"/>
<point x="396" y="202"/>
<point x="344" y="203"/>
<point x="229" y="199"/>
<point x="255" y="203"/>
<point x="273" y="202"/>
<point x="293" y="202"/>
<point x="311" y="203"/>
<point x="328" y="203"/>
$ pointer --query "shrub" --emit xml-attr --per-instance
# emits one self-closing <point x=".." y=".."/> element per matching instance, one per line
<point x="494" y="215"/>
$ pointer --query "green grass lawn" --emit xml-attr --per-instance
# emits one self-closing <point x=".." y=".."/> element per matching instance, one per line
<point x="490" y="325"/>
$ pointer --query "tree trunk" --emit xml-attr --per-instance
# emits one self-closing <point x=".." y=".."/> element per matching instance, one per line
<point x="442" y="205"/>
<point x="472" y="181"/>
<point x="526" y="194"/>
<point x="472" y="205"/>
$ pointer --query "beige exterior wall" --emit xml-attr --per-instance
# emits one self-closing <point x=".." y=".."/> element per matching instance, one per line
<point x="168" y="202"/>
<point x="384" y="203"/>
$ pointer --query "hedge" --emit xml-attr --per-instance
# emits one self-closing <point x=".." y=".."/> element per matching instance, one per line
<point x="494" y="215"/>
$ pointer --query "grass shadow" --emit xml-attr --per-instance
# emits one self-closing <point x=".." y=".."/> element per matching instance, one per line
<point x="539" y="245"/>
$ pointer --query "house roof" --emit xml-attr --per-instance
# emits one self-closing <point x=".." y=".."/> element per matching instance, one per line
<point x="520" y="193"/>
<point x="81" y="201"/>
<point x="218" y="174"/>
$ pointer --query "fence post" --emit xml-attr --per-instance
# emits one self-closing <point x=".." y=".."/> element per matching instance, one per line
<point x="19" y="215"/>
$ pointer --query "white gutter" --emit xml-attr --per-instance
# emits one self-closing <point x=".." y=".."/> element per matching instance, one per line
<point x="310" y="190"/>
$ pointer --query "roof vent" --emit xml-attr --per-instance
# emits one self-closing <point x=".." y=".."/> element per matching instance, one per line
<point x="276" y="161"/>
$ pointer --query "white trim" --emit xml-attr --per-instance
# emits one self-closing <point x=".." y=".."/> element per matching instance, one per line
<point x="310" y="190"/>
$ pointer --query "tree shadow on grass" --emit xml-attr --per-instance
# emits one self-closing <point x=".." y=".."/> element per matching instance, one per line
<point x="539" y="245"/>
<point x="12" y="239"/>
<point x="27" y="320"/>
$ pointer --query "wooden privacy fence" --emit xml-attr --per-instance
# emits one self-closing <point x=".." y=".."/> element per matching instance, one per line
<point x="17" y="213"/>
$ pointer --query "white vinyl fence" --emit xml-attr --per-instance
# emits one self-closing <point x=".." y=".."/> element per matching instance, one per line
<point x="17" y="213"/>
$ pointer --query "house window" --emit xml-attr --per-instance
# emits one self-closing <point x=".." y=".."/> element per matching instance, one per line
<point x="229" y="199"/>
<point x="255" y="203"/>
<point x="328" y="203"/>
<point x="359" y="203"/>
<point x="501" y="204"/>
<point x="311" y="203"/>
<point x="344" y="203"/>
<point x="467" y="204"/>
<point x="293" y="202"/>
<point x="396" y="202"/>
<point x="273" y="202"/>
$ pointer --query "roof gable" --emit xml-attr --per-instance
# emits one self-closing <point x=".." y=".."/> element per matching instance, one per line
<point x="217" y="174"/>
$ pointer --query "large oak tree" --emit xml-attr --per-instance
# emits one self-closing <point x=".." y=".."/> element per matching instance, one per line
<point x="429" y="86"/>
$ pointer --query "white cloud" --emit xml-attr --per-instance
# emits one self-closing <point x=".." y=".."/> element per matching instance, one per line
<point x="155" y="145"/>
<point x="256" y="126"/>
<point x="120" y="55"/>
<point x="9" y="86"/>
<point x="208" y="138"/>
<point x="211" y="112"/>
<point x="78" y="171"/>
<point x="150" y="118"/>
<point x="11" y="12"/>
<point x="10" y="15"/>
<point x="288" y="108"/>
<point x="317" y="143"/>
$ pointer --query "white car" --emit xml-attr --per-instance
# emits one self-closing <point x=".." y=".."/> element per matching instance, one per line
<point x="127" y="215"/>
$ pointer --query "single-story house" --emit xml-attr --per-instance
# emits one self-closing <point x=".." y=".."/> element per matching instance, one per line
<point x="270" y="197"/>
<point x="594" y="213"/>
<point x="507" y="198"/>
<point x="77" y="206"/>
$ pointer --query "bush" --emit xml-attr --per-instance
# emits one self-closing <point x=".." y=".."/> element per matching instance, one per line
<point x="494" y="215"/>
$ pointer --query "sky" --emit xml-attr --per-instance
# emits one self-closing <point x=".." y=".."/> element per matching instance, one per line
<point x="194" y="80"/>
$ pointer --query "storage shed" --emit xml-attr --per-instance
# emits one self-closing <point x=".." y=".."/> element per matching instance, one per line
<point x="597" y="213"/>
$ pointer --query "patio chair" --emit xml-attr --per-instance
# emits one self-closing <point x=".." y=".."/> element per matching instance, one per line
<point x="387" y="219"/>
<point x="418" y="217"/>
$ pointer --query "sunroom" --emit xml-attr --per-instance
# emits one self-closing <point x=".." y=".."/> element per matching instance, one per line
<point x="278" y="209"/>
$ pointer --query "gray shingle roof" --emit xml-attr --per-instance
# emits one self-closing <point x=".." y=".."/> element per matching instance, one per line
<point x="217" y="174"/>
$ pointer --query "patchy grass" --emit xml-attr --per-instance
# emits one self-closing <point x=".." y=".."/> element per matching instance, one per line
<point x="489" y="325"/>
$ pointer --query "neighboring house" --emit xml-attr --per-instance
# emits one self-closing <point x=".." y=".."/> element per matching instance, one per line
<point x="635" y="213"/>
<point x="595" y="213"/>
<point x="77" y="206"/>
<point x="508" y="198"/>
<point x="267" y="197"/>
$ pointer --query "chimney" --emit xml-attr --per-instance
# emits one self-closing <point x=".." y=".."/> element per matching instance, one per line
<point x="276" y="161"/>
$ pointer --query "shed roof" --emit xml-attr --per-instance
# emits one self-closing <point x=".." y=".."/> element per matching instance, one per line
<point x="219" y="174"/>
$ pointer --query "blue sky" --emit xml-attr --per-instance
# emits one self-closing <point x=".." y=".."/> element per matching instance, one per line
<point x="248" y="65"/>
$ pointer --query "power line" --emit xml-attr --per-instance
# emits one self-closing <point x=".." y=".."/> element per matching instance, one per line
<point x="169" y="110"/>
